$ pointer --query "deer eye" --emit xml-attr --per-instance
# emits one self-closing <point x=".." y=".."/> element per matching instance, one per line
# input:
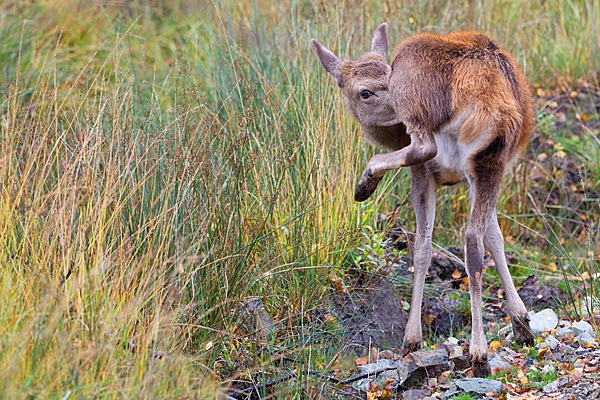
<point x="365" y="94"/>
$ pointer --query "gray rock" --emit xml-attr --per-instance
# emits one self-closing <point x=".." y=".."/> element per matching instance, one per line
<point x="455" y="351"/>
<point x="565" y="333"/>
<point x="452" y="390"/>
<point x="582" y="326"/>
<point x="552" y="342"/>
<point x="586" y="340"/>
<point x="362" y="384"/>
<point x="452" y="341"/>
<point x="497" y="362"/>
<point x="429" y="358"/>
<point x="415" y="394"/>
<point x="479" y="385"/>
<point x="557" y="384"/>
<point x="564" y="324"/>
<point x="372" y="368"/>
<point x="504" y="332"/>
<point x="543" y="321"/>
<point x="568" y="349"/>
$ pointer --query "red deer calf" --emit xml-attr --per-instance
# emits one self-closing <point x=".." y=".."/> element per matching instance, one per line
<point x="453" y="108"/>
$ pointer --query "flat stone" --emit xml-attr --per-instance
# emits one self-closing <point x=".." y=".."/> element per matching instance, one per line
<point x="564" y="323"/>
<point x="415" y="394"/>
<point x="452" y="341"/>
<point x="362" y="384"/>
<point x="543" y="321"/>
<point x="498" y="363"/>
<point x="557" y="384"/>
<point x="455" y="351"/>
<point x="479" y="385"/>
<point x="389" y="355"/>
<point x="582" y="326"/>
<point x="568" y="349"/>
<point x="552" y="342"/>
<point x="429" y="358"/>
<point x="586" y="340"/>
<point x="565" y="333"/>
<point x="372" y="368"/>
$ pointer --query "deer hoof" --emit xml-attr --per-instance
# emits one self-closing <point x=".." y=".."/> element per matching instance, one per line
<point x="366" y="185"/>
<point x="481" y="368"/>
<point x="522" y="330"/>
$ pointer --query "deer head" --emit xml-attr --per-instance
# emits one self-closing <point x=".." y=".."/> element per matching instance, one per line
<point x="364" y="81"/>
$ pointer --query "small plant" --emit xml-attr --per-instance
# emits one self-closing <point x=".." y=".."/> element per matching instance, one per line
<point x="376" y="254"/>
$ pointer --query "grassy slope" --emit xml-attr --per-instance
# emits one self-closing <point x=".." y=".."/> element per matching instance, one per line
<point x="161" y="163"/>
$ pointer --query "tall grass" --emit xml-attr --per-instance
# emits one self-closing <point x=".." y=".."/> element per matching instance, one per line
<point x="162" y="163"/>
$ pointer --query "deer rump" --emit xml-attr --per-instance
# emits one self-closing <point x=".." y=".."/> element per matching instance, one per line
<point x="453" y="108"/>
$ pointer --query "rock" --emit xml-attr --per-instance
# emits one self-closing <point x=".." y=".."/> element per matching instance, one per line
<point x="390" y="355"/>
<point x="454" y="352"/>
<point x="554" y="386"/>
<point x="504" y="332"/>
<point x="415" y="394"/>
<point x="429" y="358"/>
<point x="452" y="390"/>
<point x="451" y="341"/>
<point x="421" y="365"/>
<point x="564" y="324"/>
<point x="565" y="333"/>
<point x="479" y="385"/>
<point x="582" y="326"/>
<point x="542" y="345"/>
<point x="586" y="340"/>
<point x="362" y="384"/>
<point x="498" y="363"/>
<point x="543" y="321"/>
<point x="378" y="366"/>
<point x="552" y="342"/>
<point x="568" y="349"/>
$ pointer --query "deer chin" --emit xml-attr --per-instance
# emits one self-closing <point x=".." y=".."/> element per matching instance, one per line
<point x="393" y="136"/>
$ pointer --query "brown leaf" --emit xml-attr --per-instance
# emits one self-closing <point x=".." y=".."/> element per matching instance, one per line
<point x="456" y="274"/>
<point x="361" y="361"/>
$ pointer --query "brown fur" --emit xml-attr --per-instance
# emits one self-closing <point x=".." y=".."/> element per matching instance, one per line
<point x="453" y="108"/>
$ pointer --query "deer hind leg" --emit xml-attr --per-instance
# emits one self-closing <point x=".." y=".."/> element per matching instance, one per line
<point x="516" y="309"/>
<point x="421" y="149"/>
<point x="423" y="189"/>
<point x="487" y="171"/>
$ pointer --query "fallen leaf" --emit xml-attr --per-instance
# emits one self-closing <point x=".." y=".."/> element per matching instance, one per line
<point x="495" y="344"/>
<point x="456" y="274"/>
<point x="361" y="361"/>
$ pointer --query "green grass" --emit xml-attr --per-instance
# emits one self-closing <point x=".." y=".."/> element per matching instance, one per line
<point x="161" y="163"/>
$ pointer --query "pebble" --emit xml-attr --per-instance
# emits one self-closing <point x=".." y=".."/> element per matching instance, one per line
<point x="479" y="385"/>
<point x="497" y="362"/>
<point x="554" y="386"/>
<point x="543" y="321"/>
<point x="552" y="342"/>
<point x="582" y="326"/>
<point x="586" y="340"/>
<point x="565" y="333"/>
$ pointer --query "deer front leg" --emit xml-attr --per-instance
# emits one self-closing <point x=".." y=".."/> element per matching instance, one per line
<point x="421" y="149"/>
<point x="423" y="188"/>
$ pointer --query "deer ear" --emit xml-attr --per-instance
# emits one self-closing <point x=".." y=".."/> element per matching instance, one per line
<point x="379" y="43"/>
<point x="329" y="61"/>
